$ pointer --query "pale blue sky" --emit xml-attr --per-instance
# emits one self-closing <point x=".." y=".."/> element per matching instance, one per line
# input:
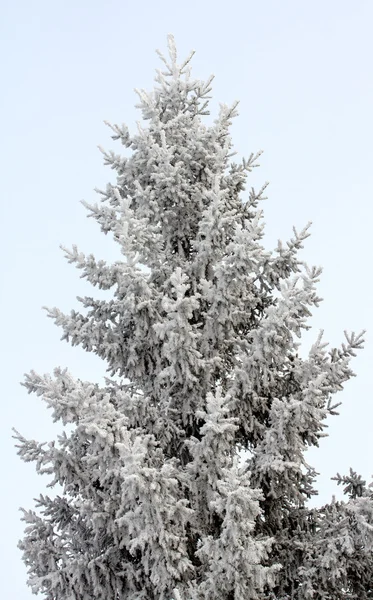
<point x="303" y="73"/>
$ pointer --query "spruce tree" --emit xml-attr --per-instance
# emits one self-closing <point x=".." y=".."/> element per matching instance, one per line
<point x="184" y="476"/>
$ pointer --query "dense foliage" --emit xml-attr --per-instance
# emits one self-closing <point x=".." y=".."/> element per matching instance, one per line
<point x="184" y="475"/>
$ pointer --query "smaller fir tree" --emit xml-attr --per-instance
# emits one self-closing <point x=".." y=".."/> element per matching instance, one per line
<point x="201" y="341"/>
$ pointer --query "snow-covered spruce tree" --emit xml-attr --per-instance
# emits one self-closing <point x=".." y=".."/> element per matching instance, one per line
<point x="201" y="341"/>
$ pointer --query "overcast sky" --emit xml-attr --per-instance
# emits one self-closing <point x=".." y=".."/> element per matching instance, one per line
<point x="303" y="74"/>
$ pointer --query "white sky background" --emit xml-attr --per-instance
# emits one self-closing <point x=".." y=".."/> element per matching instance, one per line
<point x="303" y="74"/>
